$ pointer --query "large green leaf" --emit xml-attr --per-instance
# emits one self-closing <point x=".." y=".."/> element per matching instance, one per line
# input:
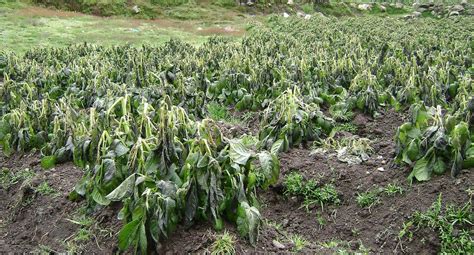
<point x="99" y="198"/>
<point x="270" y="166"/>
<point x="128" y="234"/>
<point x="125" y="189"/>
<point x="421" y="170"/>
<point x="238" y="153"/>
<point x="277" y="147"/>
<point x="248" y="221"/>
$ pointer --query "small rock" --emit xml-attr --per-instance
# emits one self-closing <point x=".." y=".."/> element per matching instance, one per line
<point x="285" y="223"/>
<point x="416" y="14"/>
<point x="383" y="8"/>
<point x="367" y="172"/>
<point x="384" y="162"/>
<point x="381" y="169"/>
<point x="286" y="15"/>
<point x="278" y="245"/>
<point x="300" y="14"/>
<point x="454" y="13"/>
<point x="364" y="7"/>
<point x="199" y="28"/>
<point x="421" y="9"/>
<point x="290" y="2"/>
<point x="307" y="17"/>
<point x="136" y="9"/>
<point x="250" y="3"/>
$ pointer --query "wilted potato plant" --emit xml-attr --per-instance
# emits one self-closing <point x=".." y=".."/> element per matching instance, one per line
<point x="135" y="118"/>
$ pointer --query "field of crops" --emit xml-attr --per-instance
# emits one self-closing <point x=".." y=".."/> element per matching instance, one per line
<point x="351" y="135"/>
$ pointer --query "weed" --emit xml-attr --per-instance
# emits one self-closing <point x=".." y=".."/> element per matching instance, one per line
<point x="299" y="242"/>
<point x="224" y="244"/>
<point x="368" y="199"/>
<point x="347" y="127"/>
<point x="217" y="111"/>
<point x="44" y="189"/>
<point x="453" y="225"/>
<point x="321" y="220"/>
<point x="87" y="228"/>
<point x="220" y="112"/>
<point x="294" y="184"/>
<point x="9" y="178"/>
<point x="393" y="189"/>
<point x="326" y="194"/>
<point x="311" y="191"/>
<point x="276" y="226"/>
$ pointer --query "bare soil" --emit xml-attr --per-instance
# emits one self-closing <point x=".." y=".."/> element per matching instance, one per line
<point x="30" y="220"/>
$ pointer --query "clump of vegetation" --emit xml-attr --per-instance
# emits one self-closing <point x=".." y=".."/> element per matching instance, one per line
<point x="299" y="243"/>
<point x="453" y="224"/>
<point x="368" y="199"/>
<point x="45" y="189"/>
<point x="9" y="178"/>
<point x="311" y="191"/>
<point x="223" y="245"/>
<point x="393" y="189"/>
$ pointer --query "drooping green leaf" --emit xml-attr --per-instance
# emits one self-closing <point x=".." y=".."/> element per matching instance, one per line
<point x="270" y="166"/>
<point x="421" y="170"/>
<point x="238" y="153"/>
<point x="128" y="234"/>
<point x="248" y="221"/>
<point x="99" y="198"/>
<point x="125" y="189"/>
<point x="277" y="147"/>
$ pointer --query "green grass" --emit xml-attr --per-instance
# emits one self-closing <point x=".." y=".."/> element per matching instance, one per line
<point x="299" y="242"/>
<point x="393" y="190"/>
<point x="9" y="178"/>
<point x="368" y="199"/>
<point x="24" y="28"/>
<point x="45" y="190"/>
<point x="453" y="224"/>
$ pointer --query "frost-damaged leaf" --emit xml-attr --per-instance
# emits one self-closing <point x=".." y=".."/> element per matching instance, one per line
<point x="119" y="149"/>
<point x="270" y="166"/>
<point x="99" y="198"/>
<point x="248" y="221"/>
<point x="128" y="234"/>
<point x="124" y="190"/>
<point x="191" y="204"/>
<point x="238" y="153"/>
<point x="109" y="167"/>
<point x="277" y="147"/>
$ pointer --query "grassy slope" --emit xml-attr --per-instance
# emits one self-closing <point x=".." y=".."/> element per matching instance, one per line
<point x="23" y="27"/>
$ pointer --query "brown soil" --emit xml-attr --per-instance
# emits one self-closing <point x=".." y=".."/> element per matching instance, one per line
<point x="43" y="220"/>
<point x="45" y="12"/>
<point x="31" y="221"/>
